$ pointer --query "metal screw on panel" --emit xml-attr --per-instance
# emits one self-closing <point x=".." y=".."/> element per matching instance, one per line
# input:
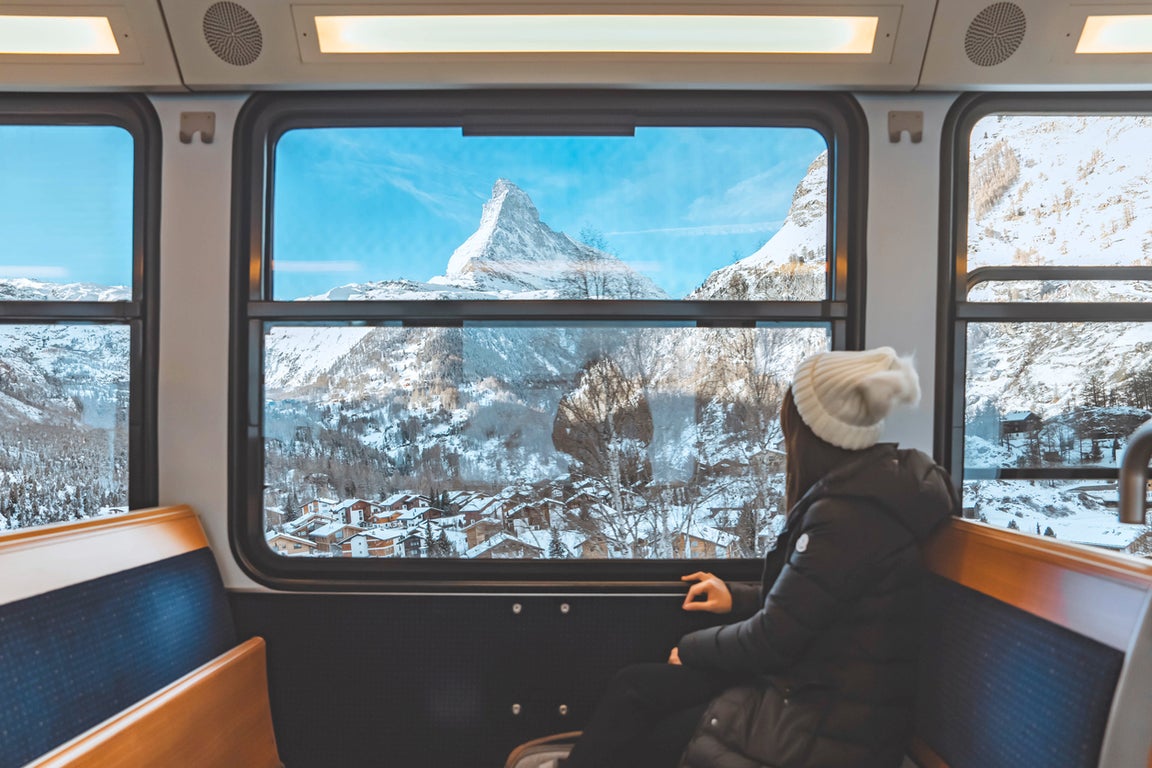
<point x="515" y="709"/>
<point x="564" y="607"/>
<point x="563" y="710"/>
<point x="516" y="608"/>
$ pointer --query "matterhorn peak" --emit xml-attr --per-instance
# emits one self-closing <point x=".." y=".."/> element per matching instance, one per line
<point x="509" y="204"/>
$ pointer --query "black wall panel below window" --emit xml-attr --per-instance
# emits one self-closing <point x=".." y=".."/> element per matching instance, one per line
<point x="430" y="681"/>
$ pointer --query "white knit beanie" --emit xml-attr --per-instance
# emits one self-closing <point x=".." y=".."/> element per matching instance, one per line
<point x="844" y="397"/>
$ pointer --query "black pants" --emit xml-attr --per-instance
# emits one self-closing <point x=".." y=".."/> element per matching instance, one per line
<point x="646" y="717"/>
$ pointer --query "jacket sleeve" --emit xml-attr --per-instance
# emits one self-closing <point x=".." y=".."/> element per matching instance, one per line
<point x="843" y="552"/>
<point x="745" y="599"/>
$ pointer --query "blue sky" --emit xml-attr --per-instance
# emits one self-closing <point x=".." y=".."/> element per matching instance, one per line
<point x="388" y="203"/>
<point x="66" y="204"/>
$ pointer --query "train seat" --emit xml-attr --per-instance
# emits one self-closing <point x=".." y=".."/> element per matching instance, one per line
<point x="1036" y="653"/>
<point x="117" y="625"/>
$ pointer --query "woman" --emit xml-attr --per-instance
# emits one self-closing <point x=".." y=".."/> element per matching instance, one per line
<point x="816" y="668"/>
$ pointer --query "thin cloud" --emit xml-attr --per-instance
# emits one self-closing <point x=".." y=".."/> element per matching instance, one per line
<point x="745" y="228"/>
<point x="280" y="265"/>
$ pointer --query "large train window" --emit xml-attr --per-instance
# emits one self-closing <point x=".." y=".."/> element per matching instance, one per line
<point x="1050" y="280"/>
<point x="79" y="191"/>
<point x="529" y="336"/>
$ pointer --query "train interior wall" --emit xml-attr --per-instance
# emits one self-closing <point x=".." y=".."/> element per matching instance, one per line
<point x="431" y="680"/>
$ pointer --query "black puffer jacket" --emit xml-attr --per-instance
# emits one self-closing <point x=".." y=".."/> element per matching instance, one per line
<point x="830" y="650"/>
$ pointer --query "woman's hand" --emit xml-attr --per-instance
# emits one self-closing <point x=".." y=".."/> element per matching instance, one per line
<point x="674" y="657"/>
<point x="717" y="598"/>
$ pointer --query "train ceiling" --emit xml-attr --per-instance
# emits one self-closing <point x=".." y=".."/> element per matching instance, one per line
<point x="929" y="45"/>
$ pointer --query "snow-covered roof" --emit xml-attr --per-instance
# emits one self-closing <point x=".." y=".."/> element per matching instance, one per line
<point x="715" y="535"/>
<point x="273" y="536"/>
<point x="330" y="529"/>
<point x="379" y="534"/>
<point x="1018" y="416"/>
<point x="495" y="541"/>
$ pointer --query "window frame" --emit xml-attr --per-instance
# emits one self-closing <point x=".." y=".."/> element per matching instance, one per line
<point x="266" y="117"/>
<point x="955" y="312"/>
<point x="141" y="313"/>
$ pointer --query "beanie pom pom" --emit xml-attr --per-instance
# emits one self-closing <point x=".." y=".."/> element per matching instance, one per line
<point x="885" y="389"/>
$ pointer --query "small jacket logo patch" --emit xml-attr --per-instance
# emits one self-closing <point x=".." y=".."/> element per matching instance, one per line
<point x="802" y="543"/>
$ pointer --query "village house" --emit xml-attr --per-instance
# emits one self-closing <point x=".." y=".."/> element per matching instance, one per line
<point x="355" y="511"/>
<point x="328" y="537"/>
<point x="289" y="545"/>
<point x="703" y="541"/>
<point x="481" y="506"/>
<point x="302" y="526"/>
<point x="371" y="543"/>
<point x="480" y="531"/>
<point x="502" y="545"/>
<point x="536" y="514"/>
<point x="1019" y="423"/>
<point x="317" y="505"/>
<point x="399" y="502"/>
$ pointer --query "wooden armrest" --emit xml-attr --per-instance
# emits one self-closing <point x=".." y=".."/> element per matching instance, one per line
<point x="214" y="717"/>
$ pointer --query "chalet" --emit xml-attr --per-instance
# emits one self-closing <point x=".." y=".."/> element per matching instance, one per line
<point x="355" y="511"/>
<point x="703" y="541"/>
<point x="328" y="537"/>
<point x="287" y="544"/>
<point x="536" y="514"/>
<point x="592" y="548"/>
<point x="371" y="543"/>
<point x="481" y="506"/>
<point x="412" y="517"/>
<point x="502" y="545"/>
<point x="304" y="525"/>
<point x="1019" y="423"/>
<point x="480" y="531"/>
<point x="317" y="505"/>
<point x="411" y="544"/>
<point x="398" y="502"/>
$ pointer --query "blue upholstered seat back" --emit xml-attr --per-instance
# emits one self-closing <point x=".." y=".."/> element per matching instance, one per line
<point x="1001" y="688"/>
<point x="74" y="657"/>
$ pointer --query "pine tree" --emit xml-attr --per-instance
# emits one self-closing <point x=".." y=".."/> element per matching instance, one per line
<point x="1013" y="526"/>
<point x="556" y="548"/>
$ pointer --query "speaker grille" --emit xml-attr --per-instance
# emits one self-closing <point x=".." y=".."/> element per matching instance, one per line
<point x="995" y="34"/>
<point x="232" y="33"/>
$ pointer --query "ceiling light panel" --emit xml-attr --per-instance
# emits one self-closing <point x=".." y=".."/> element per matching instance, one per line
<point x="57" y="35"/>
<point x="1129" y="33"/>
<point x="596" y="33"/>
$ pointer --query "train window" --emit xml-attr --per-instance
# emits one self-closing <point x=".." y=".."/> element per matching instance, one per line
<point x="539" y="328"/>
<point x="78" y="185"/>
<point x="1051" y="280"/>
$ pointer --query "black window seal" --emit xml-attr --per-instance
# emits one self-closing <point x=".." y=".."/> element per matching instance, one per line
<point x="954" y="311"/>
<point x="133" y="113"/>
<point x="267" y="116"/>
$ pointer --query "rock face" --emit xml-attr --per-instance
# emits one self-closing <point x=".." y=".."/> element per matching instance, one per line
<point x="791" y="265"/>
<point x="514" y="252"/>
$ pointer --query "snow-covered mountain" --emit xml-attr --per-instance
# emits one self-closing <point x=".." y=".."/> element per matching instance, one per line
<point x="62" y="374"/>
<point x="791" y="265"/>
<point x="25" y="289"/>
<point x="481" y="403"/>
<point x="514" y="255"/>
<point x="1044" y="193"/>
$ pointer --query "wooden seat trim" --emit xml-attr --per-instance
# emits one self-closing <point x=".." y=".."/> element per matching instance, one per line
<point x="924" y="756"/>
<point x="88" y="549"/>
<point x="1096" y="594"/>
<point x="214" y="717"/>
